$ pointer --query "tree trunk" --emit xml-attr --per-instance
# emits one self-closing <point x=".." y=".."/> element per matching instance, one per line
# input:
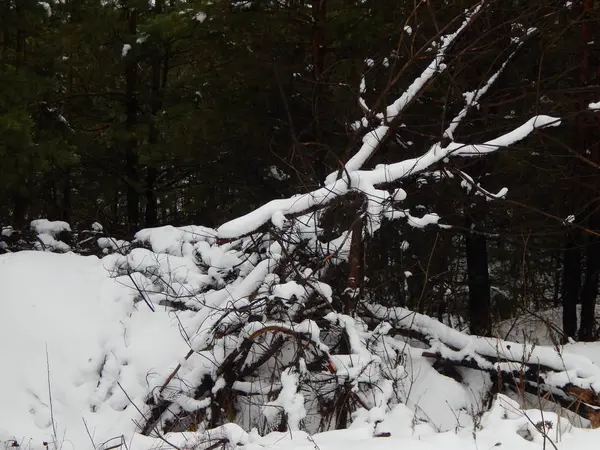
<point x="590" y="288"/>
<point x="157" y="84"/>
<point x="480" y="317"/>
<point x="131" y="155"/>
<point x="151" y="217"/>
<point x="589" y="143"/>
<point x="66" y="198"/>
<point x="478" y="278"/>
<point x="19" y="210"/>
<point x="356" y="276"/>
<point x="571" y="286"/>
<point x="319" y="16"/>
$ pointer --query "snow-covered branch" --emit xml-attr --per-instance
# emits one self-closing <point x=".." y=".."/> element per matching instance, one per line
<point x="364" y="181"/>
<point x="373" y="138"/>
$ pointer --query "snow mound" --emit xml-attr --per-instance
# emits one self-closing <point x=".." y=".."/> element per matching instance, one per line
<point x="75" y="347"/>
<point x="46" y="226"/>
<point x="83" y="352"/>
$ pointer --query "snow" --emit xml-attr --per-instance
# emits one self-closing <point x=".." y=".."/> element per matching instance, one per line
<point x="46" y="226"/>
<point x="46" y="7"/>
<point x="278" y="174"/>
<point x="172" y="240"/>
<point x="506" y="425"/>
<point x="472" y="98"/>
<point x="46" y="242"/>
<point x="90" y="341"/>
<point x="41" y="310"/>
<point x="370" y="142"/>
<point x="354" y="178"/>
<point x="288" y="401"/>
<point x="200" y="17"/>
<point x="278" y="220"/>
<point x="108" y="243"/>
<point x="74" y="333"/>
<point x="365" y="180"/>
<point x="569" y="367"/>
<point x="80" y="335"/>
<point x="435" y="66"/>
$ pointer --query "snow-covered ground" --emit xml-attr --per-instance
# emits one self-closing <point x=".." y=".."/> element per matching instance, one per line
<point x="80" y="355"/>
<point x="63" y="321"/>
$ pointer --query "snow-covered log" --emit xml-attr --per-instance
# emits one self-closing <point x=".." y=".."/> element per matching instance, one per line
<point x="572" y="380"/>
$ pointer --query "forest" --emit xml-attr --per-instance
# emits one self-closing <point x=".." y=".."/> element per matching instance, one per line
<point x="423" y="168"/>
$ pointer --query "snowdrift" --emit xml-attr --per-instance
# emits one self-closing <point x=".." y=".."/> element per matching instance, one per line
<point x="92" y="346"/>
<point x="68" y="332"/>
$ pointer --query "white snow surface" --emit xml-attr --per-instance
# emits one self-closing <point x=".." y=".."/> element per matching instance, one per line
<point x="200" y="17"/>
<point x="47" y="242"/>
<point x="50" y="227"/>
<point x="78" y="348"/>
<point x="63" y="321"/>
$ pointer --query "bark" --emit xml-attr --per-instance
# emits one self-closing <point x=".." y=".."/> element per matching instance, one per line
<point x="319" y="16"/>
<point x="19" y="211"/>
<point x="479" y="282"/>
<point x="590" y="289"/>
<point x="356" y="276"/>
<point x="583" y="402"/>
<point x="66" y="198"/>
<point x="507" y="360"/>
<point x="158" y="75"/>
<point x="478" y="279"/>
<point x="131" y="151"/>
<point x="589" y="143"/>
<point x="571" y="285"/>
<point x="151" y="216"/>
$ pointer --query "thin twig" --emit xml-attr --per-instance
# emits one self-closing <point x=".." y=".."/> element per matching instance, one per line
<point x="50" y="399"/>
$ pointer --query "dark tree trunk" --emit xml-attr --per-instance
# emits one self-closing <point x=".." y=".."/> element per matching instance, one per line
<point x="66" y="198"/>
<point x="480" y="317"/>
<point x="557" y="280"/>
<point x="319" y="16"/>
<point x="589" y="143"/>
<point x="478" y="278"/>
<point x="571" y="285"/>
<point x="131" y="156"/>
<point x="151" y="217"/>
<point x="590" y="289"/>
<point x="19" y="210"/>
<point x="157" y="84"/>
<point x="356" y="276"/>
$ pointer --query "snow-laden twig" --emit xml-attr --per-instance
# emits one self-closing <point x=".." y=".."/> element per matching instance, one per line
<point x="435" y="66"/>
<point x="373" y="138"/>
<point x="472" y="98"/>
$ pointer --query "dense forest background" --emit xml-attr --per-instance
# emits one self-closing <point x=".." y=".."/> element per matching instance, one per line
<point x="138" y="114"/>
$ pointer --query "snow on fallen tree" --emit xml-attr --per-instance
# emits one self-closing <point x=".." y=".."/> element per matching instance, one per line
<point x="569" y="379"/>
<point x="292" y="343"/>
<point x="271" y="308"/>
